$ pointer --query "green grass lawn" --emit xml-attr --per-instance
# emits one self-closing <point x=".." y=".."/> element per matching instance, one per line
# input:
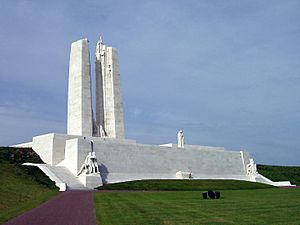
<point x="21" y="188"/>
<point x="184" y="185"/>
<point x="281" y="173"/>
<point x="259" y="206"/>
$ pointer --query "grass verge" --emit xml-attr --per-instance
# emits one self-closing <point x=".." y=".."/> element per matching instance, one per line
<point x="22" y="188"/>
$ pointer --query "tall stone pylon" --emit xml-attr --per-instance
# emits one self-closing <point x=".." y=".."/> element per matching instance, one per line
<point x="109" y="107"/>
<point x="80" y="119"/>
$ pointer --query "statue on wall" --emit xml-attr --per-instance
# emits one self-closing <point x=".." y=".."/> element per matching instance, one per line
<point x="102" y="132"/>
<point x="90" y="165"/>
<point x="180" y="139"/>
<point x="251" y="168"/>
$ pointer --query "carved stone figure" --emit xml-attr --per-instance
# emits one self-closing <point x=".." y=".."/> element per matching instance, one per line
<point x="90" y="165"/>
<point x="85" y="165"/>
<point x="180" y="139"/>
<point x="251" y="168"/>
<point x="93" y="165"/>
<point x="102" y="132"/>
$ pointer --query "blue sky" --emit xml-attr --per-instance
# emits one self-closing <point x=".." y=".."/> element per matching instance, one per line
<point x="226" y="72"/>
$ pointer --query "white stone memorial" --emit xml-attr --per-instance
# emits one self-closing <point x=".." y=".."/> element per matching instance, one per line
<point x="251" y="168"/>
<point x="109" y="109"/>
<point x="70" y="159"/>
<point x="180" y="139"/>
<point x="79" y="94"/>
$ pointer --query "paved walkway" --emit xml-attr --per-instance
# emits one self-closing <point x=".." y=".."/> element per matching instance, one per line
<point x="68" y="208"/>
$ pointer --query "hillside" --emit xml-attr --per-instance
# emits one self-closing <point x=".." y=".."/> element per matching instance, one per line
<point x="22" y="187"/>
<point x="281" y="173"/>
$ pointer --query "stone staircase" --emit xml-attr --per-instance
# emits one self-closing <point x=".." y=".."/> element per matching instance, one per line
<point x="262" y="179"/>
<point x="67" y="177"/>
<point x="62" y="177"/>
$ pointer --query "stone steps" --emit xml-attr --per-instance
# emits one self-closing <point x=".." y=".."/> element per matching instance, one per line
<point x="67" y="177"/>
<point x="262" y="179"/>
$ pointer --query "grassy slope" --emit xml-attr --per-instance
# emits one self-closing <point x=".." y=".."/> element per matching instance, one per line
<point x="186" y="185"/>
<point x="281" y="173"/>
<point x="22" y="187"/>
<point x="263" y="206"/>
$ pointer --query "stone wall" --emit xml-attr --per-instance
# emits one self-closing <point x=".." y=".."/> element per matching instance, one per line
<point x="121" y="161"/>
<point x="51" y="147"/>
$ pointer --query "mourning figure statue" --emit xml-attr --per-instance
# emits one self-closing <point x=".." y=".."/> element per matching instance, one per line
<point x="251" y="168"/>
<point x="90" y="165"/>
<point x="180" y="139"/>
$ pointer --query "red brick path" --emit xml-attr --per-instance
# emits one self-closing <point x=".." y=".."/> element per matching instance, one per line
<point x="68" y="208"/>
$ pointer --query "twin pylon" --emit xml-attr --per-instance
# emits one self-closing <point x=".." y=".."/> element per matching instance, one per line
<point x="109" y="120"/>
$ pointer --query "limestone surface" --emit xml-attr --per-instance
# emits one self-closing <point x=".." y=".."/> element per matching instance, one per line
<point x="80" y="120"/>
<point x="109" y="106"/>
